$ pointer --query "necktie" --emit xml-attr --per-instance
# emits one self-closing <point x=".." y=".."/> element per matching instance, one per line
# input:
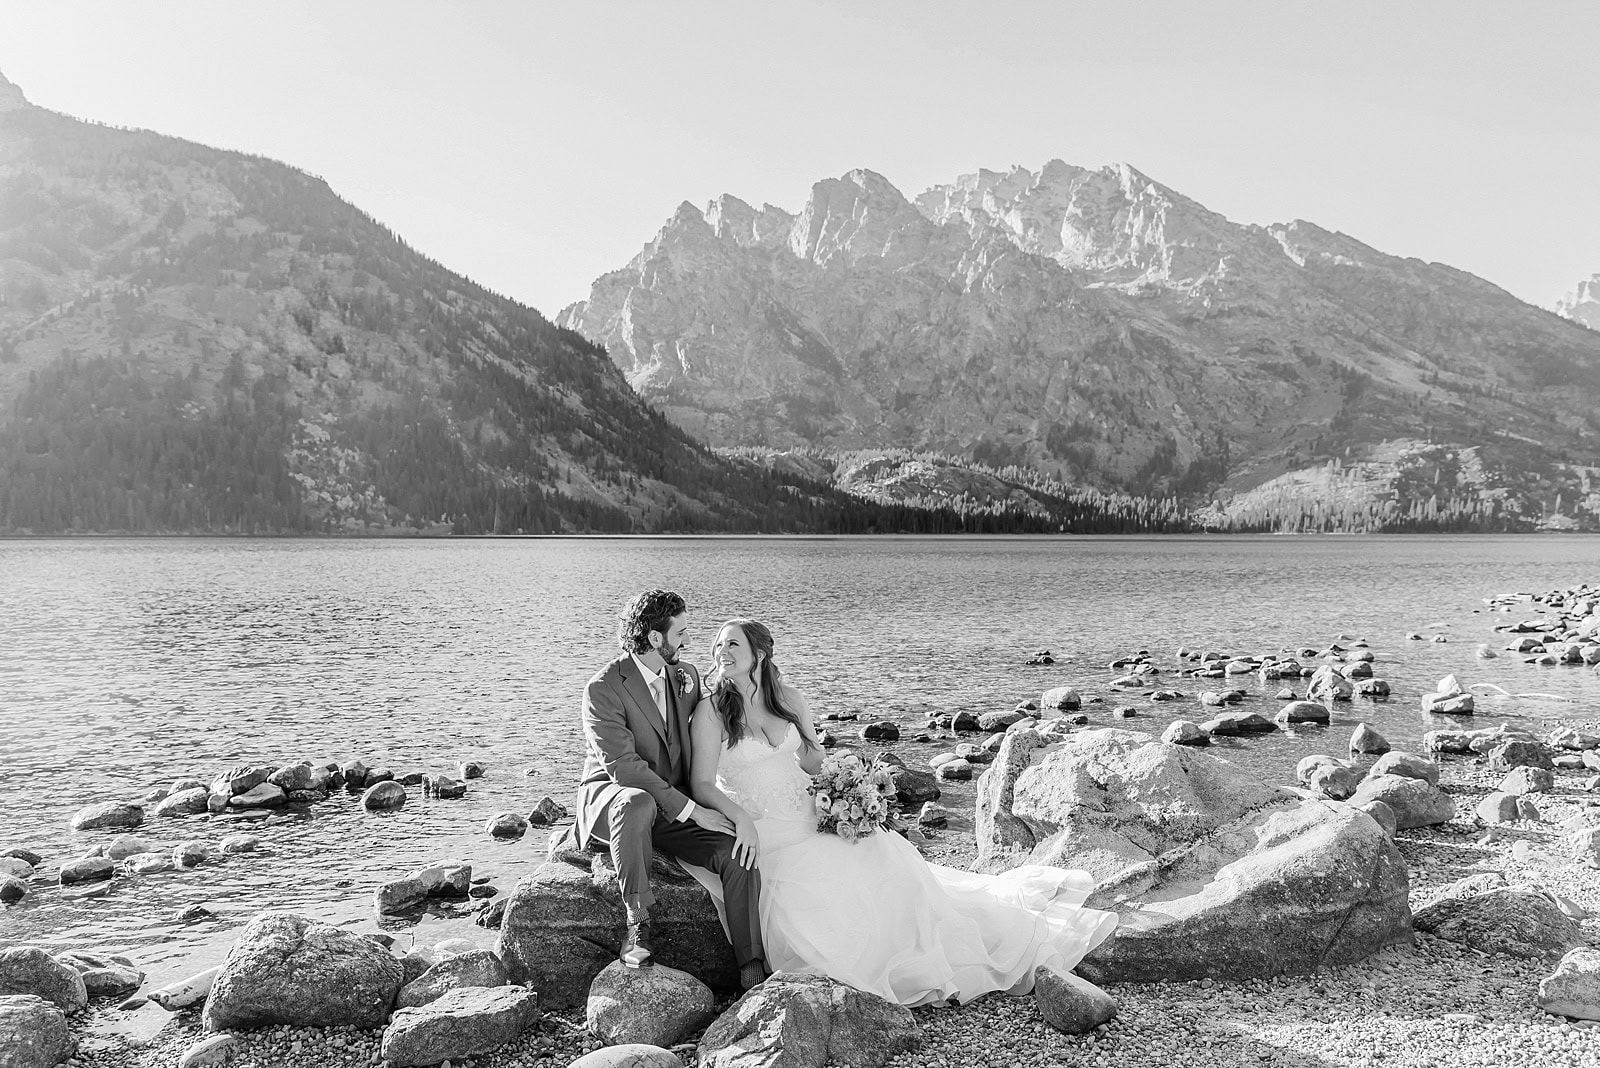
<point x="658" y="690"/>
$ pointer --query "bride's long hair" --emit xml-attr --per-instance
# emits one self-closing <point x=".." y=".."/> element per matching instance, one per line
<point x="728" y="699"/>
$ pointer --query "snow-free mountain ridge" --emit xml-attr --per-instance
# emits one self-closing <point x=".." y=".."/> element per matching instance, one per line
<point x="1091" y="324"/>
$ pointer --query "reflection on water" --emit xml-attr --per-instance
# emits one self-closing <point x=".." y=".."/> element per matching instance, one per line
<point x="127" y="663"/>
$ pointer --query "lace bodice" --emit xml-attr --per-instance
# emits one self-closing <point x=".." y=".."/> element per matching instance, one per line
<point x="766" y="780"/>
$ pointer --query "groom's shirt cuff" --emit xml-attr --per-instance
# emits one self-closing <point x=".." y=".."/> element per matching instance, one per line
<point x="688" y="810"/>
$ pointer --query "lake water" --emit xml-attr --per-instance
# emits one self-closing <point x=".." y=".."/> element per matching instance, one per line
<point x="127" y="663"/>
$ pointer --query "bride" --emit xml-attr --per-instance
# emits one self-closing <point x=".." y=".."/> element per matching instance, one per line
<point x="871" y="913"/>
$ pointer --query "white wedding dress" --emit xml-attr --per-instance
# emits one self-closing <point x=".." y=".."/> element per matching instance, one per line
<point x="875" y="915"/>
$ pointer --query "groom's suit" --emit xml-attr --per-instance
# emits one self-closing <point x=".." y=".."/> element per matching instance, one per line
<point x="635" y="788"/>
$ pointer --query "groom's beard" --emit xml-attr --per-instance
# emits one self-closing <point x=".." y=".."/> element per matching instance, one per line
<point x="669" y="656"/>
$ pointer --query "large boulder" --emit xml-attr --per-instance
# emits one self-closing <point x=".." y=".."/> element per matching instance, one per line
<point x="33" y="1032"/>
<point x="478" y="967"/>
<point x="1415" y="802"/>
<point x="1574" y="989"/>
<point x="808" y="1021"/>
<point x="1211" y="869"/>
<point x="286" y="969"/>
<point x="657" y="1006"/>
<point x="1518" y="922"/>
<point x="31" y="970"/>
<point x="461" y="1023"/>
<point x="564" y="922"/>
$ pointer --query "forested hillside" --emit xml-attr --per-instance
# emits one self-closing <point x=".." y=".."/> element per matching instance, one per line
<point x="194" y="340"/>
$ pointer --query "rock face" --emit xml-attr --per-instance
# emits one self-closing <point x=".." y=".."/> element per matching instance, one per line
<point x="808" y="1021"/>
<point x="461" y="1023"/>
<point x="33" y="1032"/>
<point x="31" y="970"/>
<point x="286" y="969"/>
<point x="564" y="923"/>
<point x="657" y="1006"/>
<point x="1518" y="922"/>
<point x="870" y="320"/>
<point x="1574" y="989"/>
<point x="1211" y="870"/>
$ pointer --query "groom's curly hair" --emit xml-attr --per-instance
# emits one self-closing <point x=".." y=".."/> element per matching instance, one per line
<point x="651" y="610"/>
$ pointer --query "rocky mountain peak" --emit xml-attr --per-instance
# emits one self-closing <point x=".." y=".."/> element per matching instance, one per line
<point x="732" y="219"/>
<point x="11" y="97"/>
<point x="856" y="215"/>
<point x="1582" y="305"/>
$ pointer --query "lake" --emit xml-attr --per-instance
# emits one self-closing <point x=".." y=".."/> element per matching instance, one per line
<point x="125" y="663"/>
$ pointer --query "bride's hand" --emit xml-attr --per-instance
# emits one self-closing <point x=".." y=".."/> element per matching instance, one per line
<point x="746" y="844"/>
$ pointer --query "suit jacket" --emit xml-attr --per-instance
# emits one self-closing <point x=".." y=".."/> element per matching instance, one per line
<point x="627" y="744"/>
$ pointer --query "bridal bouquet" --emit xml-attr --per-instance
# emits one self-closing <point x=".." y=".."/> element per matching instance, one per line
<point x="852" y="799"/>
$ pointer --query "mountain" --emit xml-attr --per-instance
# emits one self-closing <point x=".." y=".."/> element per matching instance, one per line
<point x="196" y="340"/>
<point x="1094" y="326"/>
<point x="1582" y="305"/>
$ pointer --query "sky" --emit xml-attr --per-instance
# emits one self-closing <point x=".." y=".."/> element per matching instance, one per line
<point x="535" y="146"/>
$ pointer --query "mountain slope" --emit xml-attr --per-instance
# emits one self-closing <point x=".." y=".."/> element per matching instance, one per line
<point x="1090" y="324"/>
<point x="199" y="340"/>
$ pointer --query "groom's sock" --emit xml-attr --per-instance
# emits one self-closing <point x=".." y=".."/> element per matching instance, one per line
<point x="637" y="913"/>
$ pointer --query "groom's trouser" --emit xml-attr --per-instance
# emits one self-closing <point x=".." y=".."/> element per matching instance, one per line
<point x="632" y="828"/>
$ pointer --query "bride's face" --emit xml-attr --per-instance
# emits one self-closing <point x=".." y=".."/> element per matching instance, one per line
<point x="731" y="655"/>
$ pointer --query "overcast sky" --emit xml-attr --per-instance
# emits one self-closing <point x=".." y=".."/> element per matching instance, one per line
<point x="534" y="146"/>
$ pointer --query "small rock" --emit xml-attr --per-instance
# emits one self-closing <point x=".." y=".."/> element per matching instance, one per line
<point x="507" y="825"/>
<point x="383" y="796"/>
<point x="1183" y="732"/>
<point x="956" y="770"/>
<point x="108" y="815"/>
<point x="208" y="1051"/>
<point x="443" y="787"/>
<point x="933" y="814"/>
<point x="239" y="843"/>
<point x="1366" y="739"/>
<point x="261" y="795"/>
<point x="1070" y="1003"/>
<point x="188" y="802"/>
<point x="1574" y="988"/>
<point x="86" y="869"/>
<point x="628" y="1055"/>
<point x="1527" y="780"/>
<point x="881" y="731"/>
<point x="1400" y="763"/>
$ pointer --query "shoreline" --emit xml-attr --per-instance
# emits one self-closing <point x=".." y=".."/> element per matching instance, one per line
<point x="1429" y="1004"/>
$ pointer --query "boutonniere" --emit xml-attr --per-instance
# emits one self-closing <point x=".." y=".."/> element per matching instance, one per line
<point x="685" y="682"/>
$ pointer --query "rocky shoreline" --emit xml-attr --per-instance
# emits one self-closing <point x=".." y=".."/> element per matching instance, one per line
<point x="1438" y="1000"/>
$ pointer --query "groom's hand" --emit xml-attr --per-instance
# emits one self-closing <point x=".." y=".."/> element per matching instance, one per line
<point x="711" y="820"/>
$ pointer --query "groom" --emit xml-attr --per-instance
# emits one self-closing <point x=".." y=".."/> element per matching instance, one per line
<point x="634" y="793"/>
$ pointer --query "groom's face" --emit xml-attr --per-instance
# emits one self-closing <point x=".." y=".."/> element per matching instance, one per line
<point x="675" y="639"/>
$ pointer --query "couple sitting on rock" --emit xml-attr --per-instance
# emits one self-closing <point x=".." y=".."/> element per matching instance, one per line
<point x="716" y="773"/>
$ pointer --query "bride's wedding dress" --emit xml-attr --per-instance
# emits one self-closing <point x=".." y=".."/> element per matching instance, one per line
<point x="876" y="915"/>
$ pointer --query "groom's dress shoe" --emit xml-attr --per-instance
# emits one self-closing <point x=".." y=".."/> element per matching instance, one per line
<point x="636" y="945"/>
